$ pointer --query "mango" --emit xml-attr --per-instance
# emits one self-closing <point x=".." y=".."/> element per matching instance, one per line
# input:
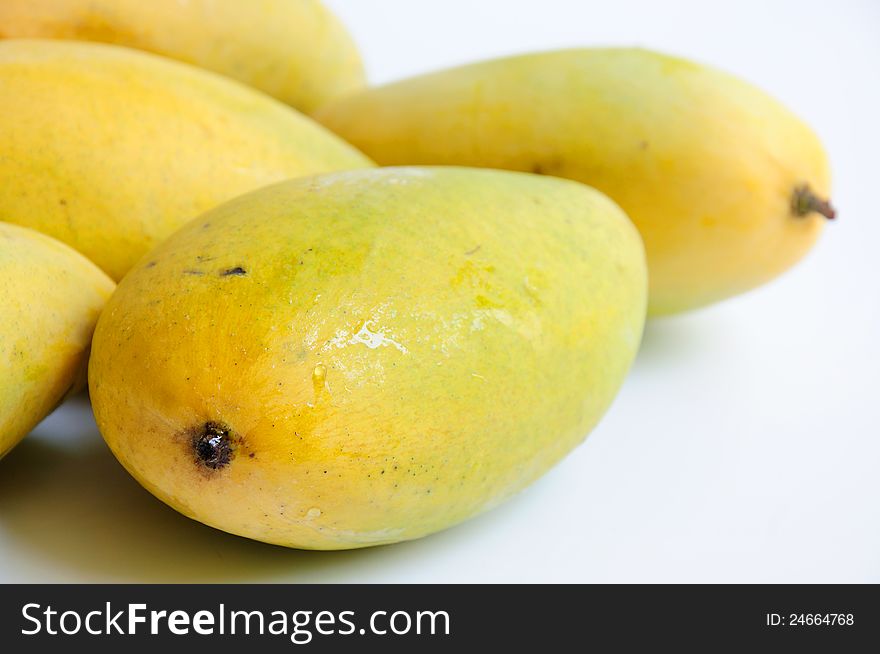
<point x="368" y="356"/>
<point x="110" y="150"/>
<point x="726" y="186"/>
<point x="294" y="50"/>
<point x="52" y="296"/>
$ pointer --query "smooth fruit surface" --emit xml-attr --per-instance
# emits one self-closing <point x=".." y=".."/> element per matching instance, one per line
<point x="51" y="298"/>
<point x="295" y="50"/>
<point x="110" y="150"/>
<point x="712" y="170"/>
<point x="370" y="356"/>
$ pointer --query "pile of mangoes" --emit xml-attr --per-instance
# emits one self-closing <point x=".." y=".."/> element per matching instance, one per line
<point x="310" y="350"/>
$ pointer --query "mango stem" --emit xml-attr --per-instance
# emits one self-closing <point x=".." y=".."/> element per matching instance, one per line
<point x="804" y="202"/>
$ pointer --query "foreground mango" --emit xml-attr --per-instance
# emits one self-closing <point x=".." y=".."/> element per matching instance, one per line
<point x="51" y="297"/>
<point x="726" y="186"/>
<point x="110" y="150"/>
<point x="295" y="50"/>
<point x="371" y="356"/>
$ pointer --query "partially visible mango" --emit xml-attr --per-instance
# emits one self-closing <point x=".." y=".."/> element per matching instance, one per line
<point x="370" y="356"/>
<point x="110" y="150"/>
<point x="726" y="186"/>
<point x="295" y="50"/>
<point x="51" y="296"/>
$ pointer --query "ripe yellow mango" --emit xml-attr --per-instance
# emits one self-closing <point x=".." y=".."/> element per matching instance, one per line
<point x="51" y="298"/>
<point x="369" y="356"/>
<point x="295" y="50"/>
<point x="110" y="150"/>
<point x="725" y="185"/>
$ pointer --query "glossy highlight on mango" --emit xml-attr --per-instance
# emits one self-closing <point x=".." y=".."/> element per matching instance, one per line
<point x="726" y="186"/>
<point x="370" y="356"/>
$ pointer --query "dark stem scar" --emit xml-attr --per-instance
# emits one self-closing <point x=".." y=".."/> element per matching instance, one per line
<point x="805" y="202"/>
<point x="238" y="271"/>
<point x="212" y="445"/>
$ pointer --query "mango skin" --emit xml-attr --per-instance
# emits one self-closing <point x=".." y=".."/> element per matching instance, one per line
<point x="110" y="150"/>
<point x="51" y="298"/>
<point x="703" y="163"/>
<point x="391" y="351"/>
<point x="294" y="50"/>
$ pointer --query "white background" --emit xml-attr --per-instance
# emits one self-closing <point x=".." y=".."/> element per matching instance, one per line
<point x="745" y="445"/>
